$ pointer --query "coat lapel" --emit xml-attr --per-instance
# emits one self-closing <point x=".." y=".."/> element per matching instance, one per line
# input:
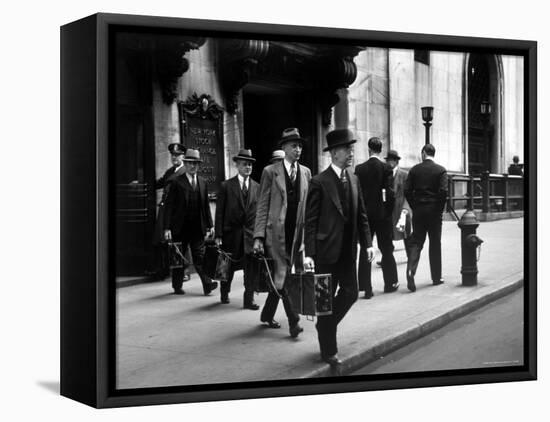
<point x="280" y="178"/>
<point x="237" y="190"/>
<point x="332" y="189"/>
<point x="303" y="184"/>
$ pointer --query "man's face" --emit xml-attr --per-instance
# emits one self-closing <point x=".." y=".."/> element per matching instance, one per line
<point x="177" y="160"/>
<point x="244" y="167"/>
<point x="292" y="150"/>
<point x="191" y="167"/>
<point x="342" y="156"/>
<point x="393" y="163"/>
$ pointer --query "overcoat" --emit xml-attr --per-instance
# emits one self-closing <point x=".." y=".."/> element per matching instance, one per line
<point x="400" y="204"/>
<point x="234" y="221"/>
<point x="324" y="225"/>
<point x="270" y="219"/>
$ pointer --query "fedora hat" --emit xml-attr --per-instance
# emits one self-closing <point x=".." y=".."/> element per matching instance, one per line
<point x="290" y="134"/>
<point x="278" y="154"/>
<point x="338" y="138"/>
<point x="244" y="154"/>
<point x="192" y="155"/>
<point x="176" y="148"/>
<point x="392" y="155"/>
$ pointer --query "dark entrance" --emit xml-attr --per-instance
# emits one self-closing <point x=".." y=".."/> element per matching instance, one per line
<point x="268" y="110"/>
<point x="134" y="175"/>
<point x="481" y="88"/>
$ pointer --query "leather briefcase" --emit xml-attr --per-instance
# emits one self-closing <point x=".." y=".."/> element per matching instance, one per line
<point x="261" y="270"/>
<point x="176" y="258"/>
<point x="310" y="294"/>
<point x="216" y="263"/>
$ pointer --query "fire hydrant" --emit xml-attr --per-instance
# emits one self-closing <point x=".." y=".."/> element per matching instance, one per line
<point x="470" y="242"/>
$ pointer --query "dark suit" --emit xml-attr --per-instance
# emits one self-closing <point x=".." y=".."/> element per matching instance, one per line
<point x="188" y="217"/>
<point x="426" y="191"/>
<point x="375" y="175"/>
<point x="335" y="220"/>
<point x="235" y="217"/>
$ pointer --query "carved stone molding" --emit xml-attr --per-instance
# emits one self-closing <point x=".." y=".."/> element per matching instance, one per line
<point x="320" y="68"/>
<point x="171" y="63"/>
<point x="239" y="61"/>
<point x="203" y="106"/>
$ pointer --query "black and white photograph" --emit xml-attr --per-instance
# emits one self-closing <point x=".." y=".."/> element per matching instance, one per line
<point x="293" y="210"/>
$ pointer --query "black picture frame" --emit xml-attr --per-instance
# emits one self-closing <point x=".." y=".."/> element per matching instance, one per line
<point x="87" y="300"/>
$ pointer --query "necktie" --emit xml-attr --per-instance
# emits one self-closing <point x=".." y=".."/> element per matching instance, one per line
<point x="245" y="189"/>
<point x="194" y="183"/>
<point x="293" y="172"/>
<point x="344" y="178"/>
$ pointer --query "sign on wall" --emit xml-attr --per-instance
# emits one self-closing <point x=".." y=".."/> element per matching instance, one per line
<point x="201" y="128"/>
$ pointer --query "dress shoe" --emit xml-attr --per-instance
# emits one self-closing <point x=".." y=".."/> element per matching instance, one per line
<point x="438" y="282"/>
<point x="179" y="291"/>
<point x="252" y="306"/>
<point x="186" y="277"/>
<point x="392" y="288"/>
<point x="209" y="287"/>
<point x="368" y="295"/>
<point x="410" y="282"/>
<point x="272" y="323"/>
<point x="295" y="330"/>
<point x="333" y="360"/>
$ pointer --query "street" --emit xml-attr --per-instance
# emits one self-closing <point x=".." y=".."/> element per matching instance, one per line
<point x="494" y="336"/>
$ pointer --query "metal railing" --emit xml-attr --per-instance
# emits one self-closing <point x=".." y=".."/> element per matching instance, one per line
<point x="486" y="193"/>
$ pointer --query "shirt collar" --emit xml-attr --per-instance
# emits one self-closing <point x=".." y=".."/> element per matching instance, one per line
<point x="336" y="169"/>
<point x="241" y="180"/>
<point x="288" y="164"/>
<point x="429" y="158"/>
<point x="395" y="170"/>
<point x="376" y="156"/>
<point x="191" y="177"/>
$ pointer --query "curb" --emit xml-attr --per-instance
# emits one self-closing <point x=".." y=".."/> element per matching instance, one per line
<point x="362" y="358"/>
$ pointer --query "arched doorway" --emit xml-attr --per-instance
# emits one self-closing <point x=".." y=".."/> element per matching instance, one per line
<point x="483" y="82"/>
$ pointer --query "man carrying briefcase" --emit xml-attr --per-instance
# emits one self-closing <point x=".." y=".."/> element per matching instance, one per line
<point x="335" y="220"/>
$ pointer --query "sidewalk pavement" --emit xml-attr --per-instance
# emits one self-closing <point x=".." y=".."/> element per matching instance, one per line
<point x="168" y="340"/>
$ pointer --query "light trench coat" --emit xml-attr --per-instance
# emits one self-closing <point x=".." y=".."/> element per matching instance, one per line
<point x="270" y="220"/>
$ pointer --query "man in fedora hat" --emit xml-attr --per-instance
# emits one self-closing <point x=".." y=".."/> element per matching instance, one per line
<point x="280" y="223"/>
<point x="336" y="220"/>
<point x="235" y="216"/>
<point x="376" y="179"/>
<point x="177" y="151"/>
<point x="188" y="219"/>
<point x="401" y="215"/>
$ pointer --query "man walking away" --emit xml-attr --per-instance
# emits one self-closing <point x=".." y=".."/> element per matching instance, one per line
<point x="426" y="191"/>
<point x="376" y="179"/>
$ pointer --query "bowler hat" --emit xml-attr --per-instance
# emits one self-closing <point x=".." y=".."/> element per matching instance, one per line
<point x="278" y="154"/>
<point x="244" y="154"/>
<point x="176" y="148"/>
<point x="392" y="155"/>
<point x="338" y="138"/>
<point x="192" y="155"/>
<point x="290" y="134"/>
